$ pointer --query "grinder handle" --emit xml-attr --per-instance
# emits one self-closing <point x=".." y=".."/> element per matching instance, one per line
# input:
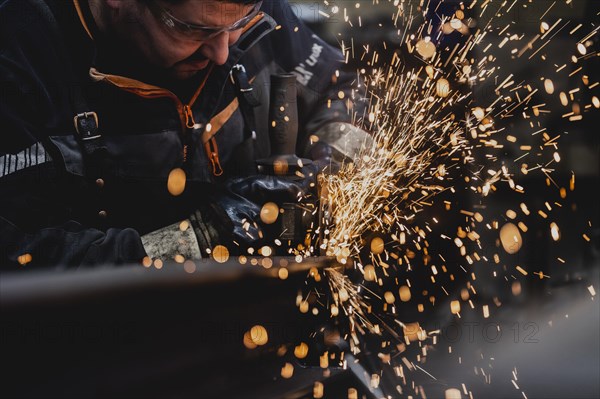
<point x="283" y="114"/>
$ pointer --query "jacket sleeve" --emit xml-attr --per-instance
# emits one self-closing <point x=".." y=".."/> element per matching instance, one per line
<point x="331" y="100"/>
<point x="36" y="228"/>
<point x="67" y="245"/>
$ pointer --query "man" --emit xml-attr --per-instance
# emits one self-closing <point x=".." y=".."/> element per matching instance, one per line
<point x="121" y="118"/>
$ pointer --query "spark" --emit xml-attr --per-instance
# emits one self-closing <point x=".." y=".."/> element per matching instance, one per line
<point x="425" y="371"/>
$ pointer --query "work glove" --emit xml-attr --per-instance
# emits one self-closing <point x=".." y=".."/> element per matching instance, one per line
<point x="243" y="199"/>
<point x="296" y="197"/>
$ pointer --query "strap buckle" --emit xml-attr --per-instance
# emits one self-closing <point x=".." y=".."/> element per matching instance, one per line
<point x="240" y="80"/>
<point x="86" y="124"/>
<point x="236" y="69"/>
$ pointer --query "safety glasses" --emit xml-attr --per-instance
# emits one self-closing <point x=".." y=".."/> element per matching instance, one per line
<point x="198" y="32"/>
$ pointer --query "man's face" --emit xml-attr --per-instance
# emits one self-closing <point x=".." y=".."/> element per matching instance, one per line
<point x="167" y="45"/>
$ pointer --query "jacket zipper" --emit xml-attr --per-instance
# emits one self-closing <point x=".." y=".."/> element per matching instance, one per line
<point x="210" y="147"/>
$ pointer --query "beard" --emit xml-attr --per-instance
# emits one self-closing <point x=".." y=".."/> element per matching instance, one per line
<point x="189" y="67"/>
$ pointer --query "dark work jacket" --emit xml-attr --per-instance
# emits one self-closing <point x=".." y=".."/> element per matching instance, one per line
<point x="60" y="208"/>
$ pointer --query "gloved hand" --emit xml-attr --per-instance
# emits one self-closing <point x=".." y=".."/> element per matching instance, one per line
<point x="243" y="198"/>
<point x="242" y="214"/>
<point x="278" y="189"/>
<point x="297" y="196"/>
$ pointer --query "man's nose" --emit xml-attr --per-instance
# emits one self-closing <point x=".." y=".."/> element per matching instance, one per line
<point x="217" y="48"/>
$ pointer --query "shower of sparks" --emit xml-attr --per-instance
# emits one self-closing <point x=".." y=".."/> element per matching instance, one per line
<point x="392" y="180"/>
<point x="427" y="135"/>
<point x="458" y="123"/>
